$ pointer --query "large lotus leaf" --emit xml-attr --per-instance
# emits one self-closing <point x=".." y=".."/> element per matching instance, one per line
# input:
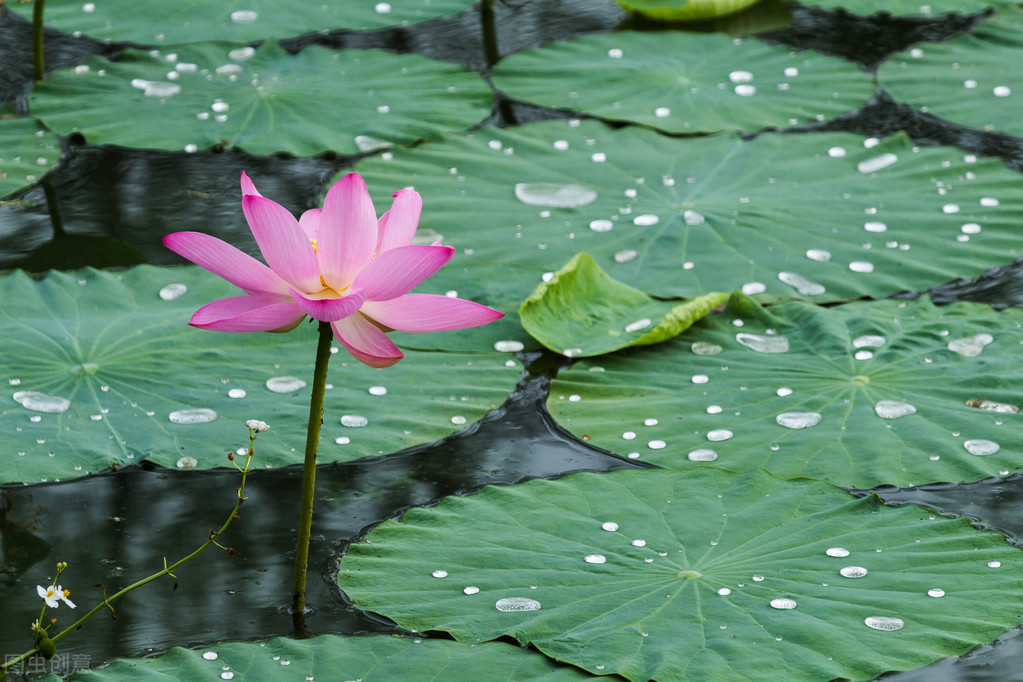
<point x="582" y="312"/>
<point x="831" y="217"/>
<point x="685" y="82"/>
<point x="235" y="20"/>
<point x="887" y="392"/>
<point x="98" y="367"/>
<point x="27" y="152"/>
<point x="971" y="80"/>
<point x="909" y="6"/>
<point x="263" y="101"/>
<point x="329" y="657"/>
<point x="693" y="575"/>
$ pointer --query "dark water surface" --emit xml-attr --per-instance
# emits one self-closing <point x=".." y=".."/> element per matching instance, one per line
<point x="114" y="528"/>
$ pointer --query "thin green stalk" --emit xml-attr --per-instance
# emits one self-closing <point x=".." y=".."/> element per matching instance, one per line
<point x="312" y="442"/>
<point x="167" y="570"/>
<point x="37" y="39"/>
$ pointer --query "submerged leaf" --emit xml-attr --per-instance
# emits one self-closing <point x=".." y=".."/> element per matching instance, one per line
<point x="581" y="311"/>
<point x="701" y="575"/>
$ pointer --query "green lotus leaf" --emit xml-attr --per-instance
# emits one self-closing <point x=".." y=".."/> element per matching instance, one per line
<point x="700" y="575"/>
<point x="971" y="80"/>
<point x="685" y="82"/>
<point x="329" y="657"/>
<point x="685" y="10"/>
<point x="264" y="101"/>
<point x="582" y="312"/>
<point x="897" y="7"/>
<point x="886" y="392"/>
<point x="235" y="20"/>
<point x="27" y="152"/>
<point x="824" y="216"/>
<point x="102" y="369"/>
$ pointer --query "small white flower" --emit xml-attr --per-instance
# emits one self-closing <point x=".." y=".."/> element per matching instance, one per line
<point x="257" y="425"/>
<point x="49" y="594"/>
<point x="53" y="595"/>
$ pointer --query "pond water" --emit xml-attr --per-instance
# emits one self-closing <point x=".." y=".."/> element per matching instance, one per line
<point x="118" y="203"/>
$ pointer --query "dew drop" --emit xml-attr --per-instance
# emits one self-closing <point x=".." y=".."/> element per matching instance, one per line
<point x="236" y="393"/>
<point x="970" y="346"/>
<point x="837" y="552"/>
<point x="595" y="558"/>
<point x="629" y="435"/>
<point x="783" y="603"/>
<point x="757" y="578"/>
<point x="190" y="463"/>
<point x="210" y="655"/>
<point x="377" y="390"/>
<point x="241" y="54"/>
<point x="155" y="88"/>
<point x="994" y="564"/>
<point x="513" y="604"/>
<point x="868" y="341"/>
<point x="284" y="384"/>
<point x="197" y="415"/>
<point x="173" y="291"/>
<point x="657" y="445"/>
<point x="753" y="288"/>
<point x="819" y="255"/>
<point x="936" y="592"/>
<point x="762" y="343"/>
<point x="853" y="572"/>
<point x="740" y="76"/>
<point x="981" y="447"/>
<point x="638" y="325"/>
<point x="1001" y="91"/>
<point x="718" y="435"/>
<point x="745" y="90"/>
<point x="471" y="589"/>
<point x="353" y="421"/>
<point x="639" y="543"/>
<point x="876" y="163"/>
<point x="703" y="455"/>
<point x="244" y="16"/>
<point x="861" y="266"/>
<point x="724" y="591"/>
<point x="41" y="402"/>
<point x="705" y="348"/>
<point x="893" y="409"/>
<point x="227" y="675"/>
<point x="508" y="346"/>
<point x="609" y="526"/>
<point x="784" y="391"/>
<point x="875" y="227"/>
<point x="992" y="406"/>
<point x="625" y="256"/>
<point x="700" y="378"/>
<point x="970" y="228"/>
<point x="645" y="220"/>
<point x="692" y="218"/>
<point x="662" y="112"/>
<point x="440" y="573"/>
<point x="884" y="622"/>
<point x="804" y="286"/>
<point x="798" y="420"/>
<point x="554" y="195"/>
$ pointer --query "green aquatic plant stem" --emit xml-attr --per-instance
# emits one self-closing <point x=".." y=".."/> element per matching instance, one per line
<point x="167" y="570"/>
<point x="37" y="39"/>
<point x="312" y="442"/>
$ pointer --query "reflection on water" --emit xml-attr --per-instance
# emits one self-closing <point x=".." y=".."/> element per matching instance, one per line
<point x="115" y="528"/>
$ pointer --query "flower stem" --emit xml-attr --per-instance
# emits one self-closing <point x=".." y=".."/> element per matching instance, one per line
<point x="312" y="442"/>
<point x="167" y="570"/>
<point x="37" y="40"/>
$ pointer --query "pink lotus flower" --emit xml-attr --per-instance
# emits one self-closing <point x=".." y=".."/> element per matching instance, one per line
<point x="338" y="264"/>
